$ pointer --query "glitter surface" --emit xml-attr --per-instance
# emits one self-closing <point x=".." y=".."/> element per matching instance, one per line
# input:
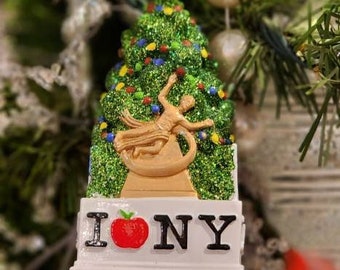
<point x="165" y="40"/>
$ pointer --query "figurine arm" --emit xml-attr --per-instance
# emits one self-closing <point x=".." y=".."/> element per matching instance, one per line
<point x="131" y="122"/>
<point x="198" y="125"/>
<point x="165" y="91"/>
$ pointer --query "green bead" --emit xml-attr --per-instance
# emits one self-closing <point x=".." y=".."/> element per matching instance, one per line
<point x="138" y="66"/>
<point x="138" y="95"/>
<point x="191" y="79"/>
<point x="175" y="45"/>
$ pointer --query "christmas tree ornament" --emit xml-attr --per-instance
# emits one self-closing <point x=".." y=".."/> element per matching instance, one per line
<point x="224" y="3"/>
<point x="163" y="156"/>
<point x="249" y="128"/>
<point x="227" y="47"/>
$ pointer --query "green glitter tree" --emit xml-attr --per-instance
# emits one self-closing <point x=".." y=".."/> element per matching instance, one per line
<point x="165" y="40"/>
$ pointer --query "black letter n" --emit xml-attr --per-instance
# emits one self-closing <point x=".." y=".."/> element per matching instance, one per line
<point x="165" y="224"/>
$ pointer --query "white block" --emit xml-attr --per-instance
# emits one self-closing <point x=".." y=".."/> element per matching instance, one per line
<point x="195" y="234"/>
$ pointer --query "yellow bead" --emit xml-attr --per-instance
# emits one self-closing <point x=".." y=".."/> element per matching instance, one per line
<point x="123" y="70"/>
<point x="204" y="53"/>
<point x="168" y="11"/>
<point x="120" y="86"/>
<point x="102" y="96"/>
<point x="151" y="46"/>
<point x="215" y="138"/>
<point x="232" y="138"/>
<point x="103" y="125"/>
<point x="221" y="93"/>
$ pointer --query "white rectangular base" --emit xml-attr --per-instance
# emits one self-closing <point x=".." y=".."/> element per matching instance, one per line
<point x="182" y="234"/>
<point x="118" y="266"/>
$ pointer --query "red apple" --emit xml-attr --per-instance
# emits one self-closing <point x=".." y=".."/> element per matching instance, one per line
<point x="128" y="232"/>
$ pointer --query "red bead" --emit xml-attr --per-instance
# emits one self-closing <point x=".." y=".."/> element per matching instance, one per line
<point x="133" y="41"/>
<point x="180" y="72"/>
<point x="130" y="89"/>
<point x="186" y="43"/>
<point x="147" y="100"/>
<point x="193" y="21"/>
<point x="222" y="141"/>
<point x="130" y="71"/>
<point x="178" y="8"/>
<point x="103" y="134"/>
<point x="163" y="48"/>
<point x="200" y="86"/>
<point x="147" y="60"/>
<point x="151" y="7"/>
<point x="120" y="53"/>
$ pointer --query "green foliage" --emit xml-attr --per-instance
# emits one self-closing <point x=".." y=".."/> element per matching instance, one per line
<point x="35" y="30"/>
<point x="272" y="54"/>
<point x="269" y="54"/>
<point x="9" y="103"/>
<point x="321" y="49"/>
<point x="34" y="158"/>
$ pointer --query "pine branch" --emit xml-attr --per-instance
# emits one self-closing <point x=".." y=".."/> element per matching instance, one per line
<point x="57" y="247"/>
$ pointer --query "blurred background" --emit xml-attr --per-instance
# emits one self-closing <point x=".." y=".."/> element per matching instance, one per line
<point x="279" y="60"/>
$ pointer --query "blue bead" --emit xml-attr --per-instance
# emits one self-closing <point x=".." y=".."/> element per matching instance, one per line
<point x="141" y="43"/>
<point x="197" y="46"/>
<point x="212" y="90"/>
<point x="118" y="65"/>
<point x="101" y="119"/>
<point x="155" y="108"/>
<point x="228" y="141"/>
<point x="158" y="62"/>
<point x="110" y="137"/>
<point x="202" y="135"/>
<point x="159" y="8"/>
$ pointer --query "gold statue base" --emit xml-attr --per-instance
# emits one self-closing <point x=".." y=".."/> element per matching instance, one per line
<point x="177" y="185"/>
<point x="137" y="186"/>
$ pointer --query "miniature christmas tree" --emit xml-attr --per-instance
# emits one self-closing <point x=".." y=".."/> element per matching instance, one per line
<point x="165" y="41"/>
